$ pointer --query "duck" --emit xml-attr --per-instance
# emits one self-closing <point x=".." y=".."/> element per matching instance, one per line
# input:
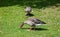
<point x="27" y="10"/>
<point x="32" y="22"/>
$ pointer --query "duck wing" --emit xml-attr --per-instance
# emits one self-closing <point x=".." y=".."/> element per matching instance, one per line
<point x="37" y="21"/>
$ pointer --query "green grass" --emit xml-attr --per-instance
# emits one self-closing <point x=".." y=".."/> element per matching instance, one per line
<point x="12" y="16"/>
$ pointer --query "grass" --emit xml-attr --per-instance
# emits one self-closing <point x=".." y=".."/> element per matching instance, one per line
<point x="12" y="16"/>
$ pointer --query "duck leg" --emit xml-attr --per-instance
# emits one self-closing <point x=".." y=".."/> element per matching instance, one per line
<point x="32" y="27"/>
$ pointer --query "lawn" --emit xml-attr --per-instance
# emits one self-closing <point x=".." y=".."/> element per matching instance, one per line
<point x="12" y="16"/>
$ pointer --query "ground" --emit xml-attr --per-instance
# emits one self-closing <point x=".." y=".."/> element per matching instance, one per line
<point x="12" y="16"/>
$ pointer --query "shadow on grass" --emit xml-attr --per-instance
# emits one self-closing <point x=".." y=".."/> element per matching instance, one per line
<point x="29" y="15"/>
<point x="33" y="3"/>
<point x="38" y="29"/>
